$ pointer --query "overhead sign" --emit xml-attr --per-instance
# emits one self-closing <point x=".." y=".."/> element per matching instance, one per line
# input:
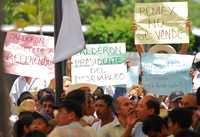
<point x="161" y="23"/>
<point x="101" y="64"/>
<point x="165" y="73"/>
<point x="29" y="55"/>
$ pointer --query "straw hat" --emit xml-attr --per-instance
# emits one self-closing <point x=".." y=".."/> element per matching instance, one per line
<point x="92" y="87"/>
<point x="162" y="49"/>
<point x="26" y="105"/>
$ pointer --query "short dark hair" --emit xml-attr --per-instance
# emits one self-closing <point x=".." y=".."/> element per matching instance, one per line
<point x="36" y="115"/>
<point x="154" y="104"/>
<point x="153" y="123"/>
<point x="107" y="99"/>
<point x="181" y="116"/>
<point x="78" y="95"/>
<point x="72" y="106"/>
<point x="47" y="98"/>
<point x="44" y="90"/>
<point x="21" y="123"/>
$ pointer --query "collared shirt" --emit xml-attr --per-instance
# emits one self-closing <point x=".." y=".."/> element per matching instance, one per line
<point x="74" y="129"/>
<point x="113" y="129"/>
<point x="20" y="85"/>
<point x="97" y="125"/>
<point x="137" y="130"/>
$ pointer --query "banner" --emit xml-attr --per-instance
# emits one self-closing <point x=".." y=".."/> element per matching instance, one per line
<point x="161" y="23"/>
<point x="165" y="73"/>
<point x="29" y="55"/>
<point x="70" y="39"/>
<point x="101" y="64"/>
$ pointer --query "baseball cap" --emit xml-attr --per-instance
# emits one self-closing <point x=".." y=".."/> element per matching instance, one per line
<point x="175" y="95"/>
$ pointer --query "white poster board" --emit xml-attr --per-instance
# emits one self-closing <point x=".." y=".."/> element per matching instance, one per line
<point x="101" y="64"/>
<point x="29" y="55"/>
<point x="161" y="23"/>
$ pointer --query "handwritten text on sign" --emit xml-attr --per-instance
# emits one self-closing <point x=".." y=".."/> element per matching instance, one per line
<point x="160" y="23"/>
<point x="100" y="64"/>
<point x="29" y="55"/>
<point x="164" y="73"/>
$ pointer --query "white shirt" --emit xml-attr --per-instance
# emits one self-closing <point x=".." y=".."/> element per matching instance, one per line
<point x="97" y="125"/>
<point x="196" y="81"/>
<point x="20" y="85"/>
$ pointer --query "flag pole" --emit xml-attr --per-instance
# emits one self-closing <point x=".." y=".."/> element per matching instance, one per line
<point x="59" y="65"/>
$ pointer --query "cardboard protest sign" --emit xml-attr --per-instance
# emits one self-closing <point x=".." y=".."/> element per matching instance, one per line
<point x="101" y="64"/>
<point x="29" y="55"/>
<point x="161" y="23"/>
<point x="164" y="73"/>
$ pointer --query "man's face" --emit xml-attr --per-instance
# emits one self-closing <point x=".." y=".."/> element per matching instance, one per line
<point x="47" y="108"/>
<point x="142" y="110"/>
<point x="102" y="109"/>
<point x="39" y="125"/>
<point x="125" y="106"/>
<point x="63" y="116"/>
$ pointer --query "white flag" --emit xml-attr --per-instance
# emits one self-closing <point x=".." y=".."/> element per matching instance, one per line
<point x="70" y="39"/>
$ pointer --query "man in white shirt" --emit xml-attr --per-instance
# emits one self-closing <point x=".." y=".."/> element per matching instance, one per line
<point x="24" y="83"/>
<point x="104" y="111"/>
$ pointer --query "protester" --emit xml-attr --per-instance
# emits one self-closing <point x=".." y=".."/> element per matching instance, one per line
<point x="68" y="117"/>
<point x="22" y="126"/>
<point x="147" y="106"/>
<point x="179" y="119"/>
<point x="174" y="99"/>
<point x="41" y="93"/>
<point x="83" y="97"/>
<point x="46" y="106"/>
<point x="39" y="123"/>
<point x="155" y="126"/>
<point x="104" y="111"/>
<point x="24" y="83"/>
<point x="122" y="107"/>
<point x="136" y="92"/>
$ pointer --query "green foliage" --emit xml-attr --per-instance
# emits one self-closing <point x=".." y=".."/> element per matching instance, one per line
<point x="30" y="11"/>
<point x="110" y="30"/>
<point x="108" y="20"/>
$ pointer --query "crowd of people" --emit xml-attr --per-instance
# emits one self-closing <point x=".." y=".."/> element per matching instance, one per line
<point x="85" y="112"/>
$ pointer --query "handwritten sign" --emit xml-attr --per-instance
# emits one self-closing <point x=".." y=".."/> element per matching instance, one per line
<point x="161" y="23"/>
<point x="29" y="55"/>
<point x="101" y="64"/>
<point x="164" y="73"/>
